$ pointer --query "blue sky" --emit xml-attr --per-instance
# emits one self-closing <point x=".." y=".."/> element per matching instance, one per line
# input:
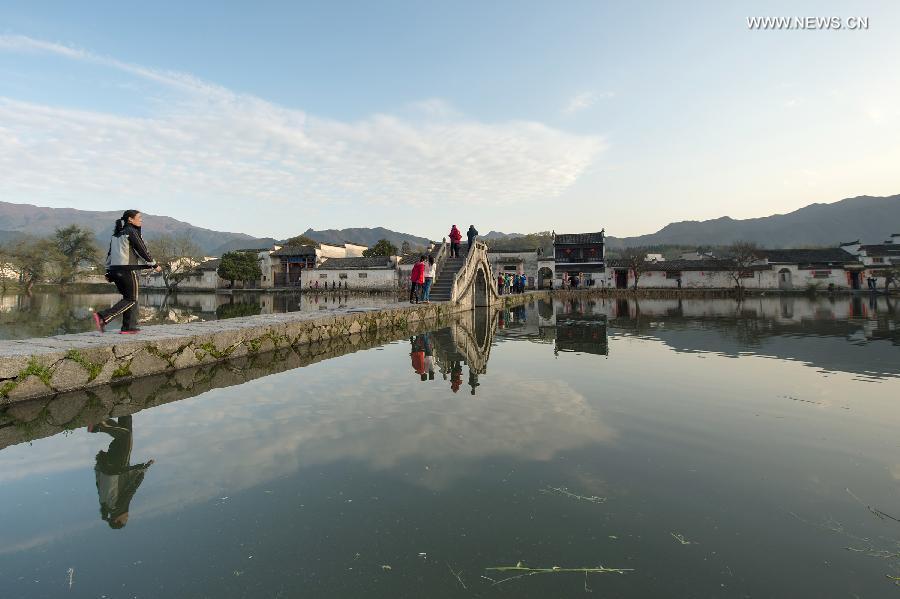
<point x="515" y="116"/>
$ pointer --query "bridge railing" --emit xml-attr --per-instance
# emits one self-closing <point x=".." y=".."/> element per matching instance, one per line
<point x="440" y="258"/>
<point x="465" y="276"/>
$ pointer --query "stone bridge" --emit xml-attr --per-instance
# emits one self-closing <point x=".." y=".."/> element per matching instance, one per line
<point x="473" y="285"/>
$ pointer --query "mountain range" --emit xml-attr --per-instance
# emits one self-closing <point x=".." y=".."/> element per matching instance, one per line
<point x="871" y="219"/>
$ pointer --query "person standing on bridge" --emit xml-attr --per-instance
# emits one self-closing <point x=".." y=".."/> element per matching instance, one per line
<point x="430" y="272"/>
<point x="126" y="256"/>
<point x="471" y="234"/>
<point x="500" y="280"/>
<point x="416" y="280"/>
<point x="455" y="238"/>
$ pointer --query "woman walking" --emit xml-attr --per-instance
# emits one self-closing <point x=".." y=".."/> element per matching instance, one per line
<point x="126" y="256"/>
<point x="430" y="272"/>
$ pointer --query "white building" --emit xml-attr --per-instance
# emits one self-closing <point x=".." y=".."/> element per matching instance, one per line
<point x="800" y="269"/>
<point x="879" y="261"/>
<point x="286" y="264"/>
<point x="378" y="273"/>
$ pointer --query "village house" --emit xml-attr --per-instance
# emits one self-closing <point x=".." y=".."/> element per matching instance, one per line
<point x="516" y="261"/>
<point x="376" y="273"/>
<point x="880" y="262"/>
<point x="579" y="254"/>
<point x="788" y="269"/>
<point x="286" y="264"/>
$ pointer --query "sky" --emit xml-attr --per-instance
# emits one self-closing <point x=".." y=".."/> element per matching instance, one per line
<point x="272" y="117"/>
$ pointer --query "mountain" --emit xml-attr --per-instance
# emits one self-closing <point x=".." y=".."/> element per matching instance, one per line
<point x="871" y="219"/>
<point x="498" y="235"/>
<point x="39" y="221"/>
<point x="365" y="236"/>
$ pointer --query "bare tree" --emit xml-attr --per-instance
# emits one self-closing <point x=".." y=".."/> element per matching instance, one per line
<point x="742" y="256"/>
<point x="635" y="260"/>
<point x="177" y="256"/>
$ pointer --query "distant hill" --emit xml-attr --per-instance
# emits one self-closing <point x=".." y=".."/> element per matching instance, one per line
<point x="498" y="235"/>
<point x="36" y="220"/>
<point x="365" y="236"/>
<point x="871" y="219"/>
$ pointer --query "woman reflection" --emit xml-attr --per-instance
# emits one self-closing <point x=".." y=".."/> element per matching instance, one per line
<point x="117" y="479"/>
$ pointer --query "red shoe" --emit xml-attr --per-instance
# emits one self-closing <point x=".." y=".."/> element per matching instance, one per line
<point x="98" y="322"/>
<point x="129" y="331"/>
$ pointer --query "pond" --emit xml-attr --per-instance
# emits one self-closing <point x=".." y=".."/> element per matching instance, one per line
<point x="698" y="448"/>
<point x="43" y="314"/>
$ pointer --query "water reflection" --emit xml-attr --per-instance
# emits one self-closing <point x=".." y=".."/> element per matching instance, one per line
<point x="312" y="478"/>
<point x="117" y="479"/>
<point x="44" y="314"/>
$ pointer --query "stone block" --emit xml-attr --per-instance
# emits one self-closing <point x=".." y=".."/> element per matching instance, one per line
<point x="11" y="366"/>
<point x="68" y="375"/>
<point x="186" y="358"/>
<point x="144" y="363"/>
<point x="32" y="386"/>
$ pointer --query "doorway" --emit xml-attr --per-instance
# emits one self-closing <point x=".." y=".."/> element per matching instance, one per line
<point x="621" y="279"/>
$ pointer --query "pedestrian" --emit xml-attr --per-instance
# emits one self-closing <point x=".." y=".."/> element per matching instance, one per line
<point x="116" y="477"/>
<point x="317" y="284"/>
<point x="523" y="283"/>
<point x="471" y="234"/>
<point x="500" y="281"/>
<point x="126" y="256"/>
<point x="416" y="280"/>
<point x="430" y="271"/>
<point x="455" y="238"/>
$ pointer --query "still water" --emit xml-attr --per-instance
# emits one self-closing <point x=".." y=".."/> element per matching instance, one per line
<point x="44" y="314"/>
<point x="704" y="448"/>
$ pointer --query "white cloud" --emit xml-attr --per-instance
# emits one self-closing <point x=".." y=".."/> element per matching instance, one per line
<point x="583" y="101"/>
<point x="206" y="145"/>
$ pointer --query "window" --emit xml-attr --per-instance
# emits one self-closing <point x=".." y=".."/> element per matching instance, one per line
<point x="746" y="274"/>
<point x="878" y="260"/>
<point x="821" y="274"/>
<point x="673" y="274"/>
<point x="343" y="275"/>
<point x="363" y="275"/>
<point x="323" y="276"/>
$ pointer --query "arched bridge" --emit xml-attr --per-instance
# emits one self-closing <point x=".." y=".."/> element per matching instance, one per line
<point x="466" y="281"/>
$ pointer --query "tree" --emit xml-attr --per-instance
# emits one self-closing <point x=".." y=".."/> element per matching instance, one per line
<point x="302" y="240"/>
<point x="405" y="248"/>
<point x="382" y="248"/>
<point x="34" y="260"/>
<point x="635" y="260"/>
<point x="77" y="247"/>
<point x="742" y="255"/>
<point x="239" y="266"/>
<point x="176" y="256"/>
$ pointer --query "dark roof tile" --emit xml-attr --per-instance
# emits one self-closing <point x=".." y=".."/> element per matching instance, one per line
<point x="577" y="238"/>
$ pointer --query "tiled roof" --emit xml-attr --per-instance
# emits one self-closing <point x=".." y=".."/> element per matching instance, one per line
<point x="511" y="251"/>
<point x="356" y="263"/>
<point x="577" y="238"/>
<point x="885" y="249"/>
<point x="812" y="256"/>
<point x="675" y="265"/>
<point x="209" y="265"/>
<point x="296" y="250"/>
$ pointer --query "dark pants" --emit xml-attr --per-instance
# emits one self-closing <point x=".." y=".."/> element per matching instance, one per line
<point x="471" y="242"/>
<point x="454" y="249"/>
<point x="414" y="292"/>
<point x="127" y="283"/>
